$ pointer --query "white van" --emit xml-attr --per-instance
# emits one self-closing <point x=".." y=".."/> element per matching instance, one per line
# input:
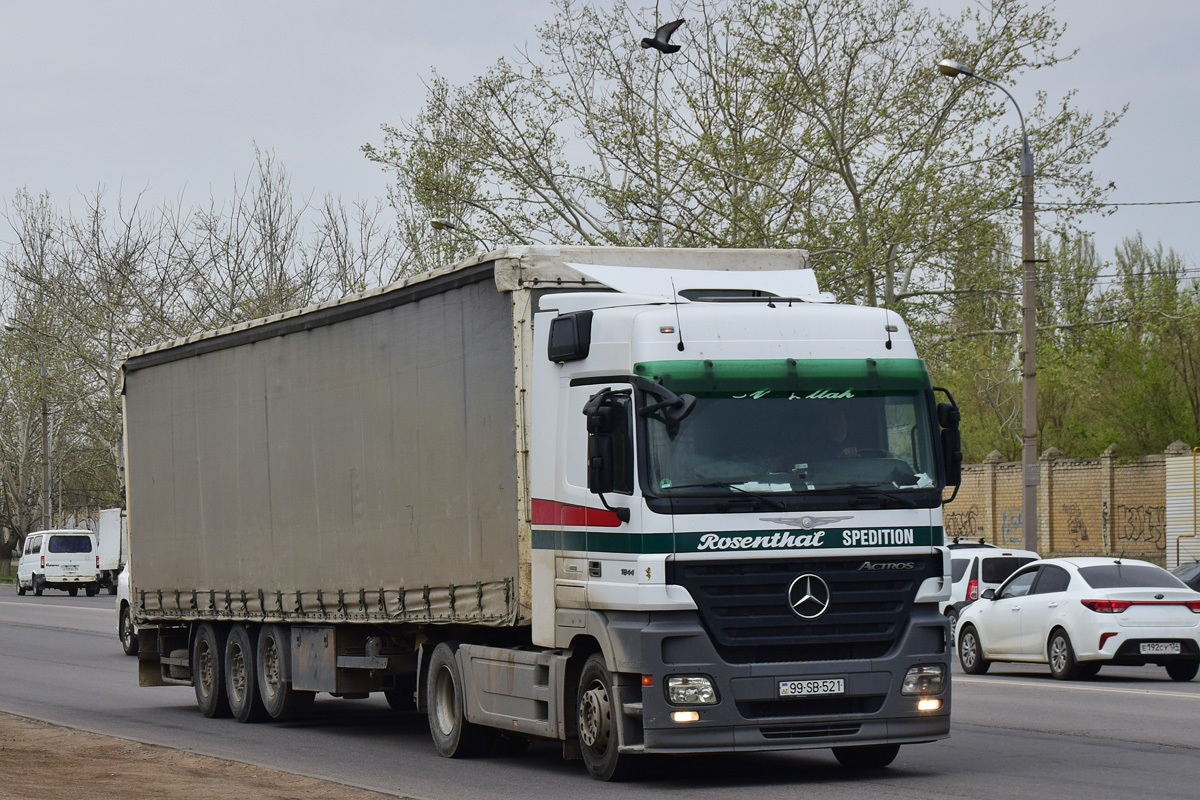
<point x="63" y="560"/>
<point x="976" y="567"/>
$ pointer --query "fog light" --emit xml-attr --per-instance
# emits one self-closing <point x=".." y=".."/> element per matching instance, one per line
<point x="685" y="716"/>
<point x="690" y="690"/>
<point x="924" y="679"/>
<point x="928" y="704"/>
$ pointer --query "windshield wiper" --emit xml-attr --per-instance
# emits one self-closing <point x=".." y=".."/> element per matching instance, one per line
<point x="873" y="488"/>
<point x="770" y="501"/>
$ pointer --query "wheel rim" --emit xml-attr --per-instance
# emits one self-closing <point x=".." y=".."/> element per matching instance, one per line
<point x="237" y="673"/>
<point x="444" y="701"/>
<point x="595" y="714"/>
<point x="1058" y="654"/>
<point x="968" y="650"/>
<point x="125" y="627"/>
<point x="272" y="680"/>
<point x="205" y="667"/>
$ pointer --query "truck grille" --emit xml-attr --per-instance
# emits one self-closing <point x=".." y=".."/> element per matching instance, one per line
<point x="744" y="605"/>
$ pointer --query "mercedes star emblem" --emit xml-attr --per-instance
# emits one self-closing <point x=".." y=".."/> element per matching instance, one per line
<point x="808" y="596"/>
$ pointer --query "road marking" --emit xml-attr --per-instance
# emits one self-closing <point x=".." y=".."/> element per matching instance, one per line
<point x="1025" y="684"/>
<point x="55" y="605"/>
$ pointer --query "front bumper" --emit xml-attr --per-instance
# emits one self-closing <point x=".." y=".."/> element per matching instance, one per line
<point x="750" y="715"/>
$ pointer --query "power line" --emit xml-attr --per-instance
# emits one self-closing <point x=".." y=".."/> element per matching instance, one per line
<point x="1052" y="206"/>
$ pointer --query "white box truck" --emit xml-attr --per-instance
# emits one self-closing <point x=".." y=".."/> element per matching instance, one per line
<point x="635" y="500"/>
<point x="112" y="547"/>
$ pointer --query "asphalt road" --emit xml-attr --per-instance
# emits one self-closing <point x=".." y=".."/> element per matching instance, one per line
<point x="1129" y="733"/>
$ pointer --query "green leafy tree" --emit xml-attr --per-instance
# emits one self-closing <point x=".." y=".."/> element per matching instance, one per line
<point x="820" y="125"/>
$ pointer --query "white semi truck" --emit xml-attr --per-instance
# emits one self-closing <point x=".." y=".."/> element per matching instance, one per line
<point x="635" y="500"/>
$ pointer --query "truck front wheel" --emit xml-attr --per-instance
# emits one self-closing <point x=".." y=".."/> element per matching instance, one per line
<point x="598" y="736"/>
<point x="453" y="736"/>
<point x="279" y="699"/>
<point x="241" y="675"/>
<point x="208" y="668"/>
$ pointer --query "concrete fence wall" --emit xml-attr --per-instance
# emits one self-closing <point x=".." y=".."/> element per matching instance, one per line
<point x="1090" y="506"/>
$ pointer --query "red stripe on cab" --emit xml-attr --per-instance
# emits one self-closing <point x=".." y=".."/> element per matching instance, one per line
<point x="549" y="512"/>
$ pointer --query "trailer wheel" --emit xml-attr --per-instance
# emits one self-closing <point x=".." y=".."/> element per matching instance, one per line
<point x="598" y="736"/>
<point x="208" y="670"/>
<point x="241" y="675"/>
<point x="453" y="736"/>
<point x="279" y="699"/>
<point x="129" y="642"/>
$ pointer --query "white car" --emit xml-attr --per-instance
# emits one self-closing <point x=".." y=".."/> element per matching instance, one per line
<point x="126" y="629"/>
<point x="1078" y="614"/>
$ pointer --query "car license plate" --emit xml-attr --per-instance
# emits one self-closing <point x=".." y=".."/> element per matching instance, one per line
<point x="814" y="687"/>
<point x="70" y="568"/>
<point x="1153" y="648"/>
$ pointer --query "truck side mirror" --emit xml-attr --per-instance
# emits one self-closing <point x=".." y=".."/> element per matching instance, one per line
<point x="609" y="449"/>
<point x="601" y="475"/>
<point x="951" y="441"/>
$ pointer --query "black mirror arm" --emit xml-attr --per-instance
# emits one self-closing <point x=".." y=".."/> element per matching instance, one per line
<point x="621" y="512"/>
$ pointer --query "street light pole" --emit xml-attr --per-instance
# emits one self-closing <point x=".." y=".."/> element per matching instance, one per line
<point x="45" y="447"/>
<point x="1029" y="462"/>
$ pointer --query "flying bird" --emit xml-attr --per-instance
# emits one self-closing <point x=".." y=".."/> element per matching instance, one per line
<point x="662" y="38"/>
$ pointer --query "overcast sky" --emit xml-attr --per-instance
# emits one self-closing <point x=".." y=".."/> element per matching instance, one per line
<point x="170" y="97"/>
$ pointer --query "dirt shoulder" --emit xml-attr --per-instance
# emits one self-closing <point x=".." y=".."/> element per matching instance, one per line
<point x="78" y="764"/>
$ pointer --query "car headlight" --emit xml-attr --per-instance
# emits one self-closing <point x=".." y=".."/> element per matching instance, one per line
<point x="924" y="679"/>
<point x="691" y="690"/>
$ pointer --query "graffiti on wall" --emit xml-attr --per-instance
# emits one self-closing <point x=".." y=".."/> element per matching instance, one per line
<point x="1011" y="534"/>
<point x="1077" y="530"/>
<point x="1142" y="525"/>
<point x="963" y="524"/>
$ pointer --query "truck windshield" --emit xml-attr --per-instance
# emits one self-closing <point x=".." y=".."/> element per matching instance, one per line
<point x="793" y="428"/>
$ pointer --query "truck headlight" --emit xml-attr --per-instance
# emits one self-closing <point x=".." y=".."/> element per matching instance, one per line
<point x="924" y="679"/>
<point x="691" y="690"/>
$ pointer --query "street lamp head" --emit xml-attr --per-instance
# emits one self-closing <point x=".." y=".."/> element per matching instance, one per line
<point x="953" y="69"/>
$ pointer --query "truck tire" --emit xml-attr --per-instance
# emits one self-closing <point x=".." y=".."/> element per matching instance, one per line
<point x="129" y="642"/>
<point x="112" y="586"/>
<point x="92" y="589"/>
<point x="279" y="699"/>
<point x="453" y="736"/>
<point x="38" y="586"/>
<point x="241" y="675"/>
<point x="598" y="734"/>
<point x="74" y="591"/>
<point x="20" y="587"/>
<point x="208" y="670"/>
